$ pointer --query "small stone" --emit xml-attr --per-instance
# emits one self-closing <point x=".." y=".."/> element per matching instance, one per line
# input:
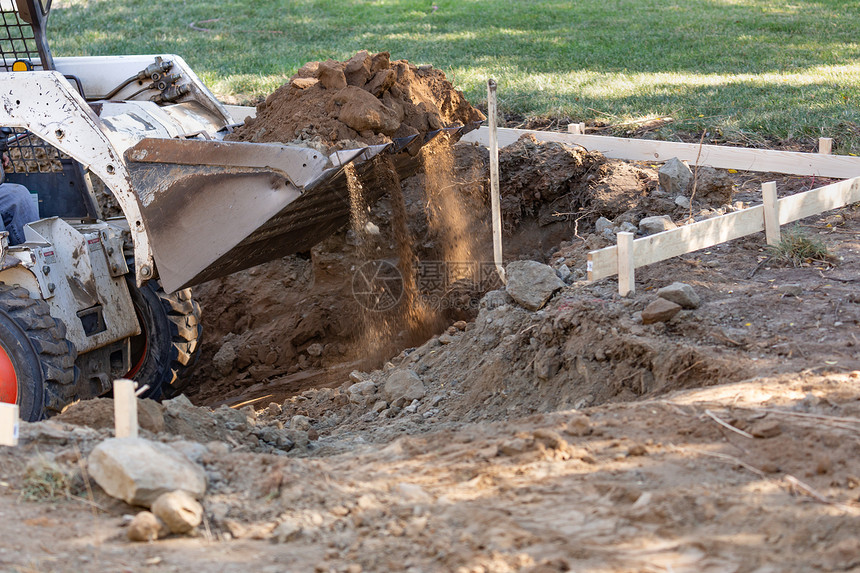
<point x="303" y="83"/>
<point x="360" y="391"/>
<point x="579" y="425"/>
<point x="682" y="202"/>
<point x="315" y="349"/>
<point x="660" y="310"/>
<point x="531" y="283"/>
<point x="766" y="429"/>
<point x="274" y="409"/>
<point x="790" y="289"/>
<point x="403" y="384"/>
<point x="224" y="359"/>
<point x="379" y="406"/>
<point x="300" y="423"/>
<point x="178" y="510"/>
<point x="563" y="272"/>
<point x="603" y="224"/>
<point x="675" y="177"/>
<point x="657" y="224"/>
<point x="714" y="186"/>
<point x="680" y="293"/>
<point x="144" y="527"/>
<point x="628" y="227"/>
<point x="494" y="299"/>
<point x="286" y="531"/>
<point x="355" y="377"/>
<point x="637" y="450"/>
<point x="460" y="325"/>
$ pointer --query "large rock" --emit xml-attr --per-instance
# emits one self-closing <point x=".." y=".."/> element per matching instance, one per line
<point x="656" y="224"/>
<point x="361" y="111"/>
<point x="660" y="310"/>
<point x="137" y="471"/>
<point x="178" y="510"/>
<point x="680" y="293"/>
<point x="403" y="384"/>
<point x="675" y="177"/>
<point x="331" y="75"/>
<point x="531" y="283"/>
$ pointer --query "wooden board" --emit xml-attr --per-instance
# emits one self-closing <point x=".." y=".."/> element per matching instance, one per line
<point x="802" y="205"/>
<point x="8" y="424"/>
<point x="743" y="159"/>
<point x="661" y="246"/>
<point x="125" y="409"/>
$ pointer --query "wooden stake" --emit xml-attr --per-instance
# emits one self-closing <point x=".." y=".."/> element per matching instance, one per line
<point x="626" y="264"/>
<point x="8" y="424"/>
<point x="825" y="145"/>
<point x="125" y="409"/>
<point x="576" y="128"/>
<point x="495" y="201"/>
<point x="771" y="212"/>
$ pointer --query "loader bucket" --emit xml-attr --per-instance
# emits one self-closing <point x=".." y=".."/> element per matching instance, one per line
<point x="212" y="208"/>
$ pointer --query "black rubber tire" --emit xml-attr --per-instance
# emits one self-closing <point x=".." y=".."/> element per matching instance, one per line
<point x="168" y="343"/>
<point x="41" y="355"/>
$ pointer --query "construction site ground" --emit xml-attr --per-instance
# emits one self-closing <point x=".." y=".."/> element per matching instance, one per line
<point x="572" y="438"/>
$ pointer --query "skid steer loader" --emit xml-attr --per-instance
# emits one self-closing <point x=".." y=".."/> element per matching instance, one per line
<point x="89" y="298"/>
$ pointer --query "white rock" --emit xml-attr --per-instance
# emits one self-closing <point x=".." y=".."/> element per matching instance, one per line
<point x="403" y="384"/>
<point x="137" y="471"/>
<point x="675" y="177"/>
<point x="178" y="510"/>
<point x="680" y="293"/>
<point x="144" y="527"/>
<point x="656" y="224"/>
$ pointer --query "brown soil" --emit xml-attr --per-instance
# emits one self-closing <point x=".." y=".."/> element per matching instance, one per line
<point x="573" y="438"/>
<point x="368" y="98"/>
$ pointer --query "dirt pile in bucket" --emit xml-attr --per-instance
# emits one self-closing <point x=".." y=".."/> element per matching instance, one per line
<point x="367" y="99"/>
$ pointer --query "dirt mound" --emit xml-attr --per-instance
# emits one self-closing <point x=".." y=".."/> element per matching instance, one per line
<point x="556" y="181"/>
<point x="368" y="98"/>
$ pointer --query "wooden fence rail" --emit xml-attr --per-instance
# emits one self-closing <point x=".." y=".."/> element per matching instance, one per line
<point x="721" y="157"/>
<point x="695" y="236"/>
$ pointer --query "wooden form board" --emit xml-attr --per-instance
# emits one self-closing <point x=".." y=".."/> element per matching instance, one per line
<point x="743" y="159"/>
<point x="703" y="234"/>
<point x="125" y="409"/>
<point x="8" y="424"/>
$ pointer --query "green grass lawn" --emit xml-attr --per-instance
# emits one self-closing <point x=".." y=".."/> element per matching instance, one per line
<point x="745" y="70"/>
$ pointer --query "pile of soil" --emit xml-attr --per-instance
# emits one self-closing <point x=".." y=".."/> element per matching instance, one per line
<point x="296" y="323"/>
<point x="368" y="99"/>
<point x="553" y="181"/>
